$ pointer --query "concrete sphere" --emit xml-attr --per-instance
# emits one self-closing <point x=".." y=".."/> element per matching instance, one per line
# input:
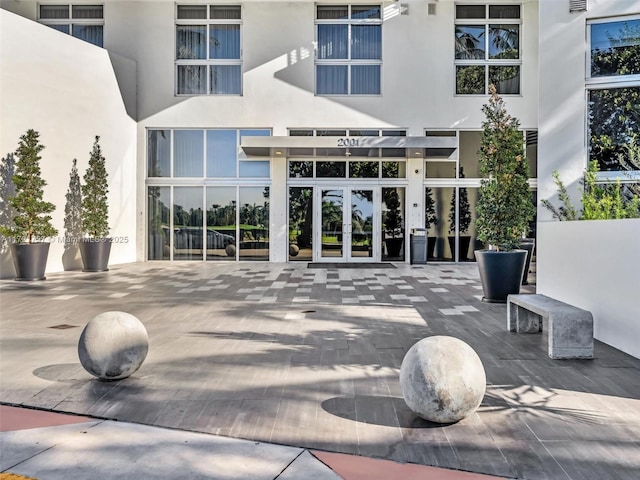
<point x="113" y="345"/>
<point x="294" y="250"/>
<point x="442" y="379"/>
<point x="231" y="250"/>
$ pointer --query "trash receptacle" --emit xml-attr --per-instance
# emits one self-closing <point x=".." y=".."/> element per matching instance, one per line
<point x="418" y="240"/>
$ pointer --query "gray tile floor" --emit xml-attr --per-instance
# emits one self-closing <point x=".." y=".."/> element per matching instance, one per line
<point x="309" y="357"/>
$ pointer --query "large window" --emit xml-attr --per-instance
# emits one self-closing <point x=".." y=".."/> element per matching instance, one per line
<point x="202" y="153"/>
<point x="487" y="49"/>
<point x="349" y="49"/>
<point x="208" y="50"/>
<point x="347" y="162"/>
<point x="85" y="22"/>
<point x="613" y="88"/>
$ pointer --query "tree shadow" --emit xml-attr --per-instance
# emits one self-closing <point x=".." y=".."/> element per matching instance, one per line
<point x="72" y="222"/>
<point x="7" y="189"/>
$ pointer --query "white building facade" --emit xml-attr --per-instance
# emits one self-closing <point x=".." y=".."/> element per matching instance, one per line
<point x="322" y="131"/>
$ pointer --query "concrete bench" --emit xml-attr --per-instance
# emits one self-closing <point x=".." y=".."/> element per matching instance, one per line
<point x="570" y="328"/>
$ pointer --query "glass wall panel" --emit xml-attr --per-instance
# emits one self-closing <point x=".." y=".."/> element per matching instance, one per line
<point x="446" y="169"/>
<point x="159" y="153"/>
<point x="254" y="223"/>
<point x="470" y="80"/>
<point x="192" y="12"/>
<point x="221" y="223"/>
<point x="437" y="204"/>
<point x="191" y="42"/>
<point x="188" y="153"/>
<point x="470" y="11"/>
<point x="365" y="79"/>
<point x="394" y="169"/>
<point x="332" y="79"/>
<point x="332" y="223"/>
<point x="614" y="123"/>
<point x="361" y="223"/>
<point x="504" y="41"/>
<point x="255" y="169"/>
<point x="226" y="79"/>
<point x="187" y="223"/>
<point x="615" y="48"/>
<point x="505" y="78"/>
<point x="300" y="224"/>
<point x="158" y="223"/>
<point x="366" y="42"/>
<point x="192" y="79"/>
<point x="459" y="205"/>
<point x="300" y="169"/>
<point x="89" y="33"/>
<point x="365" y="11"/>
<point x="364" y="169"/>
<point x="393" y="229"/>
<point x="224" y="41"/>
<point x="333" y="41"/>
<point x="331" y="169"/>
<point x="470" y="44"/>
<point x="469" y="147"/>
<point x="504" y="11"/>
<point x="221" y="153"/>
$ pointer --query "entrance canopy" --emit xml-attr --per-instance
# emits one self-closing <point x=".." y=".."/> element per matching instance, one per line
<point x="280" y="146"/>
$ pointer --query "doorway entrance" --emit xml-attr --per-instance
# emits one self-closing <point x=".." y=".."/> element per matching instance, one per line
<point x="349" y="224"/>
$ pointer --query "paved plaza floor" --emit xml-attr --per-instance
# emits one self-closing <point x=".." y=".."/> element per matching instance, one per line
<point x="309" y="358"/>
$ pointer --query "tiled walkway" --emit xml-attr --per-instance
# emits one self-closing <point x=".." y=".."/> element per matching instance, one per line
<point x="309" y="357"/>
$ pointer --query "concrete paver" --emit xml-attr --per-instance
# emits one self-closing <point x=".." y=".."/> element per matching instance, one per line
<point x="319" y="369"/>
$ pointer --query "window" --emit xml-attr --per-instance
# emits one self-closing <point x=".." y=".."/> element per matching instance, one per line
<point x="347" y="162"/>
<point x="208" y="50"/>
<point x="613" y="90"/>
<point x="202" y="153"/>
<point x="487" y="49"/>
<point x="85" y="22"/>
<point x="349" y="49"/>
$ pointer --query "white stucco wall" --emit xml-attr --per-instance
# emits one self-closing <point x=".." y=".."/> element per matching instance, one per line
<point x="594" y="265"/>
<point x="66" y="90"/>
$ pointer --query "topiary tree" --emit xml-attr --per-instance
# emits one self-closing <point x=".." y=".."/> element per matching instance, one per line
<point x="392" y="217"/>
<point x="464" y="211"/>
<point x="31" y="221"/>
<point x="430" y="209"/>
<point x="95" y="210"/>
<point x="504" y="207"/>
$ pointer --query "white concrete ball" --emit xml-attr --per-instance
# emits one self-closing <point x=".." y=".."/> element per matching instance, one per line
<point x="442" y="379"/>
<point x="113" y="345"/>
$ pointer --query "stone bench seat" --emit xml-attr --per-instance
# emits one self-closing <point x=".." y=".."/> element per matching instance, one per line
<point x="570" y="328"/>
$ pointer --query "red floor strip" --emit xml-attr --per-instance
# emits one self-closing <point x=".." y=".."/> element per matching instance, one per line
<point x="353" y="467"/>
<point x="15" y="418"/>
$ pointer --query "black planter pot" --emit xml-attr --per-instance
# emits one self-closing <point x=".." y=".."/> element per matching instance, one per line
<point x="528" y="245"/>
<point x="431" y="247"/>
<point x="500" y="273"/>
<point x="394" y="245"/>
<point x="95" y="254"/>
<point x="30" y="260"/>
<point x="464" y="242"/>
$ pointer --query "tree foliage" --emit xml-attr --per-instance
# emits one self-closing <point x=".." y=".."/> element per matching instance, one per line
<point x="95" y="210"/>
<point x="504" y="207"/>
<point x="31" y="221"/>
<point x="392" y="216"/>
<point x="430" y="209"/>
<point x="464" y="210"/>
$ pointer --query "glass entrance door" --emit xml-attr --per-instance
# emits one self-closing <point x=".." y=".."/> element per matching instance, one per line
<point x="349" y="221"/>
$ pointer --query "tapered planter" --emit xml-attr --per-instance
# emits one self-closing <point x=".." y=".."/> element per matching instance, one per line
<point x="30" y="260"/>
<point x="394" y="245"/>
<point x="464" y="242"/>
<point x="431" y="247"/>
<point x="527" y="244"/>
<point x="500" y="273"/>
<point x="95" y="254"/>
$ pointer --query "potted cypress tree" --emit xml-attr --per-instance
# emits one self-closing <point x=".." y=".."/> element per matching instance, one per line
<point x="504" y="206"/>
<point x="393" y="224"/>
<point x="464" y="220"/>
<point x="31" y="222"/>
<point x="430" y="219"/>
<point x="95" y="247"/>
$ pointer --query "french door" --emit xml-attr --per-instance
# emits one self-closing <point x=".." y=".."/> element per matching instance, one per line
<point x="349" y="221"/>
